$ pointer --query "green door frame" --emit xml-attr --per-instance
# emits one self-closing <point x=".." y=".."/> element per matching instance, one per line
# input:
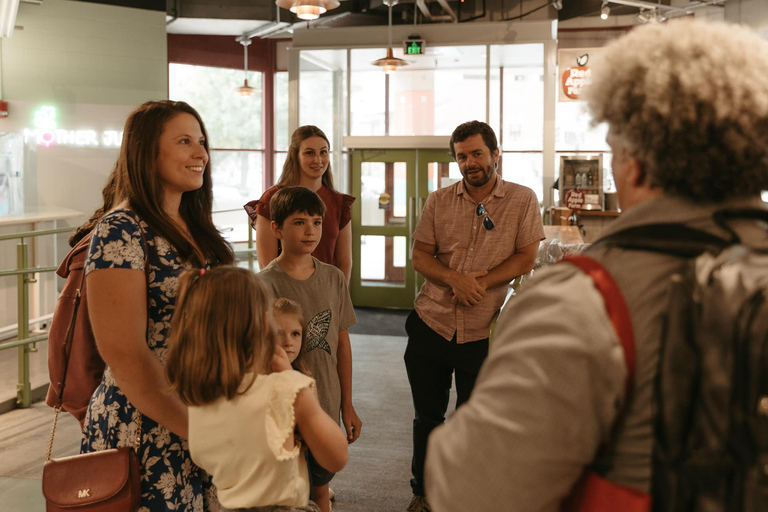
<point x="372" y="294"/>
<point x="416" y="160"/>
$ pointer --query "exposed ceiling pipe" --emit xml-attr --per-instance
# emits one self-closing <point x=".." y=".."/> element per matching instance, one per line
<point x="447" y="8"/>
<point x="264" y="30"/>
<point x="175" y="13"/>
<point x="642" y="4"/>
<point x="422" y="5"/>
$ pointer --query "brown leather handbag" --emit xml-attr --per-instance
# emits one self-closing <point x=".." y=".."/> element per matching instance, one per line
<point x="103" y="481"/>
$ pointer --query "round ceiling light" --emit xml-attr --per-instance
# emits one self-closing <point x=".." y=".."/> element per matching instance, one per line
<point x="389" y="63"/>
<point x="308" y="10"/>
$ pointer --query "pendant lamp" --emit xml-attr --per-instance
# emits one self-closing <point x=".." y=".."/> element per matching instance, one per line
<point x="246" y="90"/>
<point x="308" y="9"/>
<point x="390" y="63"/>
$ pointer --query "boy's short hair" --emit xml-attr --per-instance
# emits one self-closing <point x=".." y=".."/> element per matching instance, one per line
<point x="289" y="200"/>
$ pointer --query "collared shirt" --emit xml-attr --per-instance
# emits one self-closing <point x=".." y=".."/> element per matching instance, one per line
<point x="450" y="223"/>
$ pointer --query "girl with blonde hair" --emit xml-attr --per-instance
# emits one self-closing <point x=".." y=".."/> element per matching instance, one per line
<point x="245" y="400"/>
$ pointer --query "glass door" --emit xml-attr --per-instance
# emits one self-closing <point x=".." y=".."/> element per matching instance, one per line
<point x="383" y="182"/>
<point x="391" y="187"/>
<point x="435" y="169"/>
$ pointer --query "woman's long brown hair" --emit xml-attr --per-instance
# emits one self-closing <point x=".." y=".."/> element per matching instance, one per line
<point x="108" y="197"/>
<point x="292" y="169"/>
<point x="135" y="180"/>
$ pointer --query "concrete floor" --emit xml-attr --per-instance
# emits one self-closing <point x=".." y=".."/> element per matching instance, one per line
<point x="9" y="371"/>
<point x="375" y="479"/>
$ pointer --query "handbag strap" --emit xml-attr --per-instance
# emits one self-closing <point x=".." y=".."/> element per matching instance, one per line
<point x="71" y="334"/>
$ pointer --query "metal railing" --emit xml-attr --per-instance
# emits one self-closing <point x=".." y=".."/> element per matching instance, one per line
<point x="26" y="344"/>
<point x="24" y="277"/>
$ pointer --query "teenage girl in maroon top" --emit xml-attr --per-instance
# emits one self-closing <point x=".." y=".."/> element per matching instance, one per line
<point x="308" y="165"/>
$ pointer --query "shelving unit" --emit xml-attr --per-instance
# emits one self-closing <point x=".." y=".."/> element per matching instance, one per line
<point x="583" y="173"/>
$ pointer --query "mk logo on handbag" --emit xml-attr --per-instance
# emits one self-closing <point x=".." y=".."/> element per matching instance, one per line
<point x="84" y="493"/>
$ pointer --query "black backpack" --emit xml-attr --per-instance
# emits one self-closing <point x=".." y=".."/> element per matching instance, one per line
<point x="711" y="433"/>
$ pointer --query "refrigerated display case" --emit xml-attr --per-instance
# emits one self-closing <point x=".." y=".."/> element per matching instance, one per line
<point x="582" y="173"/>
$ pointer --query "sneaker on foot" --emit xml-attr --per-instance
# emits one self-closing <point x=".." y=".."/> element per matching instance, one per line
<point x="331" y="494"/>
<point x="418" y="504"/>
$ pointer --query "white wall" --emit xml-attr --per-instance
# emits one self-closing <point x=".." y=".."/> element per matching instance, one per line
<point x="752" y="13"/>
<point x="94" y="63"/>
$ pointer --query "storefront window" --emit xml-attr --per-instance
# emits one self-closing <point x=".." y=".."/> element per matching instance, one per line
<point x="573" y="130"/>
<point x="237" y="179"/>
<point x="367" y="93"/>
<point x="321" y="88"/>
<point x="232" y="121"/>
<point x="524" y="169"/>
<point x="520" y="72"/>
<point x="282" y="130"/>
<point x="517" y="112"/>
<point x="234" y="125"/>
<point x="322" y="99"/>
<point x="438" y="91"/>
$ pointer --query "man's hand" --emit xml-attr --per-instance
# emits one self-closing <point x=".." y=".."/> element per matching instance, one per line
<point x="352" y="423"/>
<point x="466" y="288"/>
<point x="280" y="361"/>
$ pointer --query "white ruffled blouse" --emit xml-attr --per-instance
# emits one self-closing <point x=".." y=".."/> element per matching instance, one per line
<point x="240" y="442"/>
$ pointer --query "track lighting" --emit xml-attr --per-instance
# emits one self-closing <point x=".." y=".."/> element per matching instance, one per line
<point x="605" y="10"/>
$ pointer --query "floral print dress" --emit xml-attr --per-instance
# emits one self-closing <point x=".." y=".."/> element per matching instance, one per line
<point x="169" y="478"/>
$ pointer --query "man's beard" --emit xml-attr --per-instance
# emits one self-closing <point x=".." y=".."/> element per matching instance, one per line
<point x="478" y="180"/>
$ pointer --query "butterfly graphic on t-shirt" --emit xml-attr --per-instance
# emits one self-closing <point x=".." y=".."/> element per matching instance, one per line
<point x="317" y="330"/>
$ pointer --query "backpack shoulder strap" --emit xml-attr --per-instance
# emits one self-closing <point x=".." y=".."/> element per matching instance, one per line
<point x="673" y="239"/>
<point x="617" y="312"/>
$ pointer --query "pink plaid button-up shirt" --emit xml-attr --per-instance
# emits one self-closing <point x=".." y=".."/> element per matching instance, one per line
<point x="450" y="223"/>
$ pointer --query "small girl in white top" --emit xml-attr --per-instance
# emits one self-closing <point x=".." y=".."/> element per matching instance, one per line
<point x="244" y="398"/>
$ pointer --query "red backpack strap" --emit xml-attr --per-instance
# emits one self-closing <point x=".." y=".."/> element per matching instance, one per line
<point x="592" y="492"/>
<point x="617" y="311"/>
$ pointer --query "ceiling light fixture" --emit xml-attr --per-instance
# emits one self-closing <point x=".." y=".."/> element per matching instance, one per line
<point x="246" y="90"/>
<point x="8" y="10"/>
<point x="605" y="10"/>
<point x="390" y="63"/>
<point x="308" y="10"/>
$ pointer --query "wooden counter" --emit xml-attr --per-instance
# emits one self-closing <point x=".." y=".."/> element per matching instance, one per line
<point x="568" y="235"/>
<point x="592" y="221"/>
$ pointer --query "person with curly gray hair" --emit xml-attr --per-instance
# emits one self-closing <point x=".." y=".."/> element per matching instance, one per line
<point x="687" y="108"/>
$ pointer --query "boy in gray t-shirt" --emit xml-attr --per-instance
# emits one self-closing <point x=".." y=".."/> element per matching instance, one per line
<point x="297" y="220"/>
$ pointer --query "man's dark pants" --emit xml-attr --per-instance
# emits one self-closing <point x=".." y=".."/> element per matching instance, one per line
<point x="430" y="361"/>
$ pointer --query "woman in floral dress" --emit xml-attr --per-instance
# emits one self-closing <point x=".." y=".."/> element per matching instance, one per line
<point x="161" y="224"/>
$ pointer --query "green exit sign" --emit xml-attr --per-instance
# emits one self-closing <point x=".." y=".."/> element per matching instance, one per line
<point x="414" y="47"/>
